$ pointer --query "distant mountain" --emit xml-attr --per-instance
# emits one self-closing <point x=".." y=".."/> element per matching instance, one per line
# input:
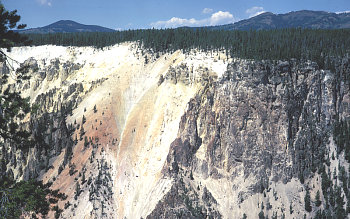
<point x="67" y="26"/>
<point x="265" y="21"/>
<point x="303" y="19"/>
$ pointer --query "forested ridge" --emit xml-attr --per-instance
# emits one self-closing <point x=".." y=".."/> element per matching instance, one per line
<point x="325" y="47"/>
<point x="281" y="44"/>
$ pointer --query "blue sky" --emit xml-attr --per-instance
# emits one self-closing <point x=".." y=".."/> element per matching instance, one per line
<point x="132" y="14"/>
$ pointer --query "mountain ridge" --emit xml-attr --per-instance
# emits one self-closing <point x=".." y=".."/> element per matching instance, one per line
<point x="294" y="19"/>
<point x="265" y="21"/>
<point x="67" y="26"/>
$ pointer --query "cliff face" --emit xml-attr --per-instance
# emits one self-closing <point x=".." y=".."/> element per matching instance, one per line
<point x="247" y="138"/>
<point x="126" y="134"/>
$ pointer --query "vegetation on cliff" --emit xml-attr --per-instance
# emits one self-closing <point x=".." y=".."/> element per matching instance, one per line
<point x="294" y="94"/>
<point x="31" y="198"/>
<point x="325" y="47"/>
<point x="281" y="44"/>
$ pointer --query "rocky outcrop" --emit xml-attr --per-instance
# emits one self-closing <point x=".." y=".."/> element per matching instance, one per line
<point x="176" y="136"/>
<point x="269" y="121"/>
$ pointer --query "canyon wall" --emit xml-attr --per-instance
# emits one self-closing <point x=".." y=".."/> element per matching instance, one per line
<point x="126" y="133"/>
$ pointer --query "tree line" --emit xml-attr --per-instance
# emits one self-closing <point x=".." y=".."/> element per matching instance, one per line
<point x="279" y="44"/>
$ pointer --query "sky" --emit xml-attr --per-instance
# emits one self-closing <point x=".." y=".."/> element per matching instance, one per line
<point x="136" y="14"/>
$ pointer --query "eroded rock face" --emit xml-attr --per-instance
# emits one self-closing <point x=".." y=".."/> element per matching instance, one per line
<point x="262" y="122"/>
<point x="177" y="137"/>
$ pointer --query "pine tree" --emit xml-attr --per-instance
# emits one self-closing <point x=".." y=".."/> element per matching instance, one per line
<point x="77" y="191"/>
<point x="27" y="197"/>
<point x="10" y="38"/>
<point x="307" y="201"/>
<point x="348" y="205"/>
<point x="261" y="215"/>
<point x="86" y="143"/>
<point x="82" y="133"/>
<point x="12" y="106"/>
<point x="318" y="200"/>
<point x="339" y="209"/>
<point x="83" y="180"/>
<point x="24" y="197"/>
<point x="325" y="182"/>
<point x="331" y="198"/>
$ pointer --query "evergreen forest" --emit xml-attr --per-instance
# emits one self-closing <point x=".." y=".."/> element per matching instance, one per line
<point x="279" y="44"/>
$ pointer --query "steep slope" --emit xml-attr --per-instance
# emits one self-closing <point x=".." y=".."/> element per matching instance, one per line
<point x="127" y="137"/>
<point x="128" y="134"/>
<point x="237" y="142"/>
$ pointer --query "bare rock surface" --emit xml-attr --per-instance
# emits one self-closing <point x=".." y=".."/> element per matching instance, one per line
<point x="126" y="134"/>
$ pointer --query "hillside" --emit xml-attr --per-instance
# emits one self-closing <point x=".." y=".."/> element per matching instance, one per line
<point x="129" y="133"/>
<point x="67" y="26"/>
<point x="294" y="19"/>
